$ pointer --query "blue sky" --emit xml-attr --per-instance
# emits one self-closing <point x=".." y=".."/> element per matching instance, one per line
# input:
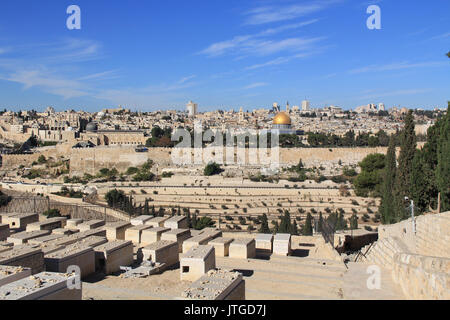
<point x="150" y="55"/>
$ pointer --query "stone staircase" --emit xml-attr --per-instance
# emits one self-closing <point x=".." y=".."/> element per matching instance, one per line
<point x="382" y="252"/>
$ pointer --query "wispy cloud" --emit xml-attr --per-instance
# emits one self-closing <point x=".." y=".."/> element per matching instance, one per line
<point x="395" y="93"/>
<point x="282" y="60"/>
<point x="441" y="36"/>
<point x="255" y="42"/>
<point x="268" y="14"/>
<point x="397" y="66"/>
<point x="256" y="85"/>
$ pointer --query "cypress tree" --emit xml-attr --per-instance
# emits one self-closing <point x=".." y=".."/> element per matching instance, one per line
<point x="354" y="222"/>
<point x="294" y="230"/>
<point x="387" y="208"/>
<point x="264" y="224"/>
<point x="443" y="167"/>
<point x="307" y="228"/>
<point x="405" y="164"/>
<point x="320" y="223"/>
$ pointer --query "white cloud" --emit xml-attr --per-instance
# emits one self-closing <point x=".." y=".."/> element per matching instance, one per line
<point x="256" y="85"/>
<point x="397" y="66"/>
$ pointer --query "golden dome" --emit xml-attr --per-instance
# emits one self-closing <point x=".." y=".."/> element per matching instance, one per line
<point x="282" y="118"/>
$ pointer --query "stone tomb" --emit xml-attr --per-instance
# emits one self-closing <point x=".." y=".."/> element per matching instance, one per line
<point x="89" y="225"/>
<point x="45" y="239"/>
<point x="140" y="220"/>
<point x="24" y="256"/>
<point x="201" y="239"/>
<point x="4" y="231"/>
<point x="264" y="244"/>
<point x="64" y="231"/>
<point x="221" y="246"/>
<point x="72" y="223"/>
<point x="109" y="257"/>
<point x="177" y="222"/>
<point x="163" y="251"/>
<point x="217" y="285"/>
<point x="212" y="233"/>
<point x="243" y="248"/>
<point x="282" y="244"/>
<point x="151" y="235"/>
<point x="48" y="224"/>
<point x="10" y="274"/>
<point x="156" y="222"/>
<point x="20" y="221"/>
<point x="116" y="230"/>
<point x="196" y="262"/>
<point x="42" y="286"/>
<point x="177" y="235"/>
<point x="24" y="237"/>
<point x="72" y="255"/>
<point x="134" y="233"/>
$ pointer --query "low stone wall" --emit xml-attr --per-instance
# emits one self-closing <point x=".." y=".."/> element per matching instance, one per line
<point x="422" y="277"/>
<point x="420" y="260"/>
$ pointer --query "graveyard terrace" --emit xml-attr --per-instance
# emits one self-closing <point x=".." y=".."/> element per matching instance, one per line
<point x="214" y="285"/>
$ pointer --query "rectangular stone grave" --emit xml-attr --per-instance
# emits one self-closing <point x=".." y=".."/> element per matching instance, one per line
<point x="177" y="235"/>
<point x="156" y="222"/>
<point x="221" y="246"/>
<point x="134" y="233"/>
<point x="196" y="262"/>
<point x="24" y="256"/>
<point x="217" y="285"/>
<point x="25" y="236"/>
<point x="282" y="244"/>
<point x="116" y="230"/>
<point x="48" y="224"/>
<point x="137" y="221"/>
<point x="20" y="221"/>
<point x="72" y="255"/>
<point x="42" y="286"/>
<point x="90" y="224"/>
<point x="201" y="239"/>
<point x="4" y="231"/>
<point x="64" y="231"/>
<point x="177" y="222"/>
<point x="109" y="257"/>
<point x="71" y="223"/>
<point x="44" y="239"/>
<point x="151" y="235"/>
<point x="264" y="244"/>
<point x="163" y="251"/>
<point x="243" y="248"/>
<point x="10" y="274"/>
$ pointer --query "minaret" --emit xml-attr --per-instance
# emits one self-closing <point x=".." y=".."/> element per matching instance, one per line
<point x="287" y="107"/>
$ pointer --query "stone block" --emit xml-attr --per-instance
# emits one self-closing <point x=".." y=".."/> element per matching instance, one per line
<point x="90" y="225"/>
<point x="24" y="237"/>
<point x="156" y="222"/>
<point x="42" y="286"/>
<point x="109" y="257"/>
<point x="217" y="285"/>
<point x="20" y="221"/>
<point x="177" y="222"/>
<point x="71" y="223"/>
<point x="243" y="248"/>
<point x="282" y="244"/>
<point x="140" y="220"/>
<point x="72" y="255"/>
<point x="48" y="224"/>
<point x="65" y="231"/>
<point x="177" y="235"/>
<point x="152" y="235"/>
<point x="116" y="230"/>
<point x="10" y="274"/>
<point x="4" y="232"/>
<point x="45" y="239"/>
<point x="162" y="251"/>
<point x="196" y="262"/>
<point x="198" y="240"/>
<point x="24" y="256"/>
<point x="221" y="246"/>
<point x="134" y="233"/>
<point x="264" y="244"/>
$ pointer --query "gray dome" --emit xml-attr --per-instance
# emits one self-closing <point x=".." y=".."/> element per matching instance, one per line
<point x="91" y="127"/>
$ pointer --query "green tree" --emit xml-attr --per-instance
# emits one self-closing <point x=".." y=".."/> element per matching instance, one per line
<point x="405" y="165"/>
<point x="42" y="159"/>
<point x="443" y="167"/>
<point x="264" y="224"/>
<point x="307" y="229"/>
<point x="354" y="222"/>
<point x="368" y="182"/>
<point x="320" y="223"/>
<point x="387" y="207"/>
<point x="212" y="169"/>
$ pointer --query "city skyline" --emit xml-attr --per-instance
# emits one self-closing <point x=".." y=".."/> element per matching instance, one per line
<point x="150" y="56"/>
